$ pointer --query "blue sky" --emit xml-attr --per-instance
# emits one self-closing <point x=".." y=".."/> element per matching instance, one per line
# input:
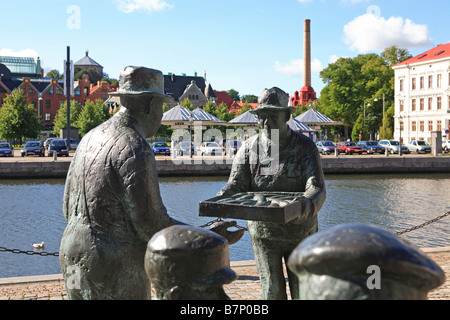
<point x="246" y="45"/>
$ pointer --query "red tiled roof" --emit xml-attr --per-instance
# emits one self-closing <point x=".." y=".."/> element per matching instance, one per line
<point x="222" y="96"/>
<point x="439" y="52"/>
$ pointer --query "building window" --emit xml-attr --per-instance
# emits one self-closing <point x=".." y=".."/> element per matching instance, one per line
<point x="401" y="105"/>
<point x="47" y="103"/>
<point x="78" y="91"/>
<point x="47" y="117"/>
<point x="430" y="103"/>
<point x="50" y="91"/>
<point x="401" y="84"/>
<point x="430" y="82"/>
<point x="439" y="125"/>
<point x="401" y="125"/>
<point x="422" y="104"/>
<point x="430" y="126"/>
<point x="422" y="82"/>
<point x="413" y="83"/>
<point x="413" y="105"/>
<point x="421" y="126"/>
<point x="439" y="80"/>
<point x="439" y="103"/>
<point x="31" y="91"/>
<point x="413" y="126"/>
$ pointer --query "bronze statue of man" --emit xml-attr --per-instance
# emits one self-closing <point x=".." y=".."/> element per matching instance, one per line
<point x="112" y="201"/>
<point x="188" y="263"/>
<point x="290" y="163"/>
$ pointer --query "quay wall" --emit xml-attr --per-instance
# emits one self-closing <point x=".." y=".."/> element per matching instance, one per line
<point x="330" y="165"/>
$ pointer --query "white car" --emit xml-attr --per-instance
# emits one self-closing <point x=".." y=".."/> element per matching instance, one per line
<point x="446" y="145"/>
<point x="210" y="149"/>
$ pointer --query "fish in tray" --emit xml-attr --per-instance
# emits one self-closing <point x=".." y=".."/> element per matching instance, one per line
<point x="258" y="206"/>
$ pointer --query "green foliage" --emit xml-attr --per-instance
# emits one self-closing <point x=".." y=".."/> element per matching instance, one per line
<point x="187" y="104"/>
<point x="386" y="130"/>
<point x="250" y="98"/>
<point x="234" y="95"/>
<point x="92" y="115"/>
<point x="358" y="127"/>
<point x="54" y="74"/>
<point x="18" y="118"/>
<point x="60" y="120"/>
<point x="352" y="81"/>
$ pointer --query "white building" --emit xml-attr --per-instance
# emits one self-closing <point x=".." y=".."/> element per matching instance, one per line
<point x="422" y="95"/>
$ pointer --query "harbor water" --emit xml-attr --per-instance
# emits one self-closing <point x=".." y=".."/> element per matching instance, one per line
<point x="31" y="212"/>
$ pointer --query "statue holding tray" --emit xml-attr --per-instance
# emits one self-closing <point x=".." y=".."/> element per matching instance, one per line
<point x="112" y="202"/>
<point x="277" y="184"/>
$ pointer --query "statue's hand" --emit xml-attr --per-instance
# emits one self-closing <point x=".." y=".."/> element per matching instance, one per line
<point x="221" y="228"/>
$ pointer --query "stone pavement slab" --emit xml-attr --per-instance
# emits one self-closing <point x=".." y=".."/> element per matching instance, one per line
<point x="246" y="287"/>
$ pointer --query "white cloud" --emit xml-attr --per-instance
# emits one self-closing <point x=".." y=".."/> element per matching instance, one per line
<point x="295" y="67"/>
<point x="128" y="6"/>
<point x="371" y="33"/>
<point x="26" y="53"/>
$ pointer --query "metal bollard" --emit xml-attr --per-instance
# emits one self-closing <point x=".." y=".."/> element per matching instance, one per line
<point x="386" y="152"/>
<point x="55" y="156"/>
<point x="336" y="152"/>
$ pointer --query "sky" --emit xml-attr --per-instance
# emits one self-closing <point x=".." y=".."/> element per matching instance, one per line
<point x="245" y="45"/>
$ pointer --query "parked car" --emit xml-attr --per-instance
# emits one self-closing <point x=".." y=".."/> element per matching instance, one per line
<point x="74" y="144"/>
<point x="6" y="150"/>
<point x="419" y="146"/>
<point x="349" y="147"/>
<point x="393" y="146"/>
<point x="326" y="147"/>
<point x="183" y="148"/>
<point x="47" y="142"/>
<point x="161" y="148"/>
<point x="60" y="146"/>
<point x="370" y="147"/>
<point x="33" y="148"/>
<point x="446" y="145"/>
<point x="210" y="149"/>
<point x="232" y="146"/>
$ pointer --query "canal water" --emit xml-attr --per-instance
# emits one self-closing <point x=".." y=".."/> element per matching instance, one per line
<point x="31" y="212"/>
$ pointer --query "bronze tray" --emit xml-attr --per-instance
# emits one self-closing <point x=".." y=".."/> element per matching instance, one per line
<point x="230" y="207"/>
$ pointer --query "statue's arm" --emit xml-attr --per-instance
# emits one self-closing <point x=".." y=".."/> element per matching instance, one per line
<point x="240" y="176"/>
<point x="315" y="191"/>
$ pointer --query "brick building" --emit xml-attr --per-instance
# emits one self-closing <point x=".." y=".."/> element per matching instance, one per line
<point x="47" y="95"/>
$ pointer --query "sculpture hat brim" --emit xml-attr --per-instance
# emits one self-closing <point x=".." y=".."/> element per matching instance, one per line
<point x="270" y="108"/>
<point x="136" y="81"/>
<point x="143" y="92"/>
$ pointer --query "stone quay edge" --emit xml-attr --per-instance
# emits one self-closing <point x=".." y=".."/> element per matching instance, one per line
<point x="215" y="166"/>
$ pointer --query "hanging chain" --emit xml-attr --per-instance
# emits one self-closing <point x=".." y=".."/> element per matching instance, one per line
<point x="30" y="252"/>
<point x="424" y="224"/>
<point x="56" y="254"/>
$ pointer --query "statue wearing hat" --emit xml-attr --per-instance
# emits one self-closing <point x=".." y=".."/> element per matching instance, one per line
<point x="278" y="160"/>
<point x="112" y="201"/>
<point x="358" y="261"/>
<point x="188" y="263"/>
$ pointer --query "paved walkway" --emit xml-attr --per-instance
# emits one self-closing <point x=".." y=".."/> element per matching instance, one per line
<point x="246" y="287"/>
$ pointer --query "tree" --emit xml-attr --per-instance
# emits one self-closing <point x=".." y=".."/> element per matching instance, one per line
<point x="234" y="95"/>
<point x="359" y="128"/>
<point x="250" y="98"/>
<point x="18" y="118"/>
<point x="187" y="104"/>
<point x="60" y="120"/>
<point x="54" y="74"/>
<point x="352" y="83"/>
<point x="92" y="115"/>
<point x="386" y="130"/>
<point x="94" y="75"/>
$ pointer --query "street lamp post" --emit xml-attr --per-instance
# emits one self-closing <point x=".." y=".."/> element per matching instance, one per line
<point x="400" y="139"/>
<point x="190" y="136"/>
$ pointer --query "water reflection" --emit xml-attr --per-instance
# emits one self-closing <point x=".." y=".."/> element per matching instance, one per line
<point x="31" y="212"/>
